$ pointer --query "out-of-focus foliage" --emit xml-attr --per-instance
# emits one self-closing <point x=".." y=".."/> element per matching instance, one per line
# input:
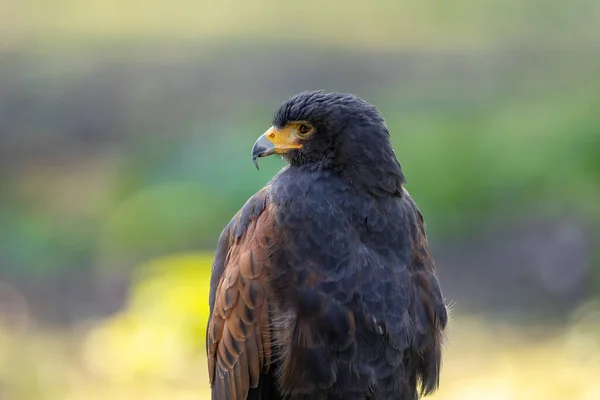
<point x="161" y="328"/>
<point x="385" y="23"/>
<point x="473" y="162"/>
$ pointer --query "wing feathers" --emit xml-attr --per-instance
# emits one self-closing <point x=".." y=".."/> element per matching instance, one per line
<point x="238" y="335"/>
<point x="428" y="309"/>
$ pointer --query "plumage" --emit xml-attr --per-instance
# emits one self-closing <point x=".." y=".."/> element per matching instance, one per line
<point x="323" y="286"/>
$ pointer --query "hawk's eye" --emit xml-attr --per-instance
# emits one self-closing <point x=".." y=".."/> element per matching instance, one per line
<point x="304" y="129"/>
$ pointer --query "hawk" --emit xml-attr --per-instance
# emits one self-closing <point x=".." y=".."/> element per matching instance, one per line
<point x="323" y="286"/>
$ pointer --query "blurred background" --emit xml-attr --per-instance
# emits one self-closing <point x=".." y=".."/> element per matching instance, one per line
<point x="125" y="137"/>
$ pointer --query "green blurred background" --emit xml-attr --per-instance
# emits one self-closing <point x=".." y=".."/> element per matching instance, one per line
<point x="125" y="136"/>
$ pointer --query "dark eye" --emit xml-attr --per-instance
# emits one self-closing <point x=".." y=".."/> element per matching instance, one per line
<point x="304" y="129"/>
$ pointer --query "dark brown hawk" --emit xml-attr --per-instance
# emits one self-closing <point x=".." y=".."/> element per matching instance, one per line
<point x="323" y="286"/>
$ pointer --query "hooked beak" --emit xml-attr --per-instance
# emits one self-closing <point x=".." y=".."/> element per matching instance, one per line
<point x="274" y="141"/>
<point x="262" y="148"/>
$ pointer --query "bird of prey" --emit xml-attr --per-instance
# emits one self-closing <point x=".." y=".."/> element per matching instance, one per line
<point x="323" y="286"/>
